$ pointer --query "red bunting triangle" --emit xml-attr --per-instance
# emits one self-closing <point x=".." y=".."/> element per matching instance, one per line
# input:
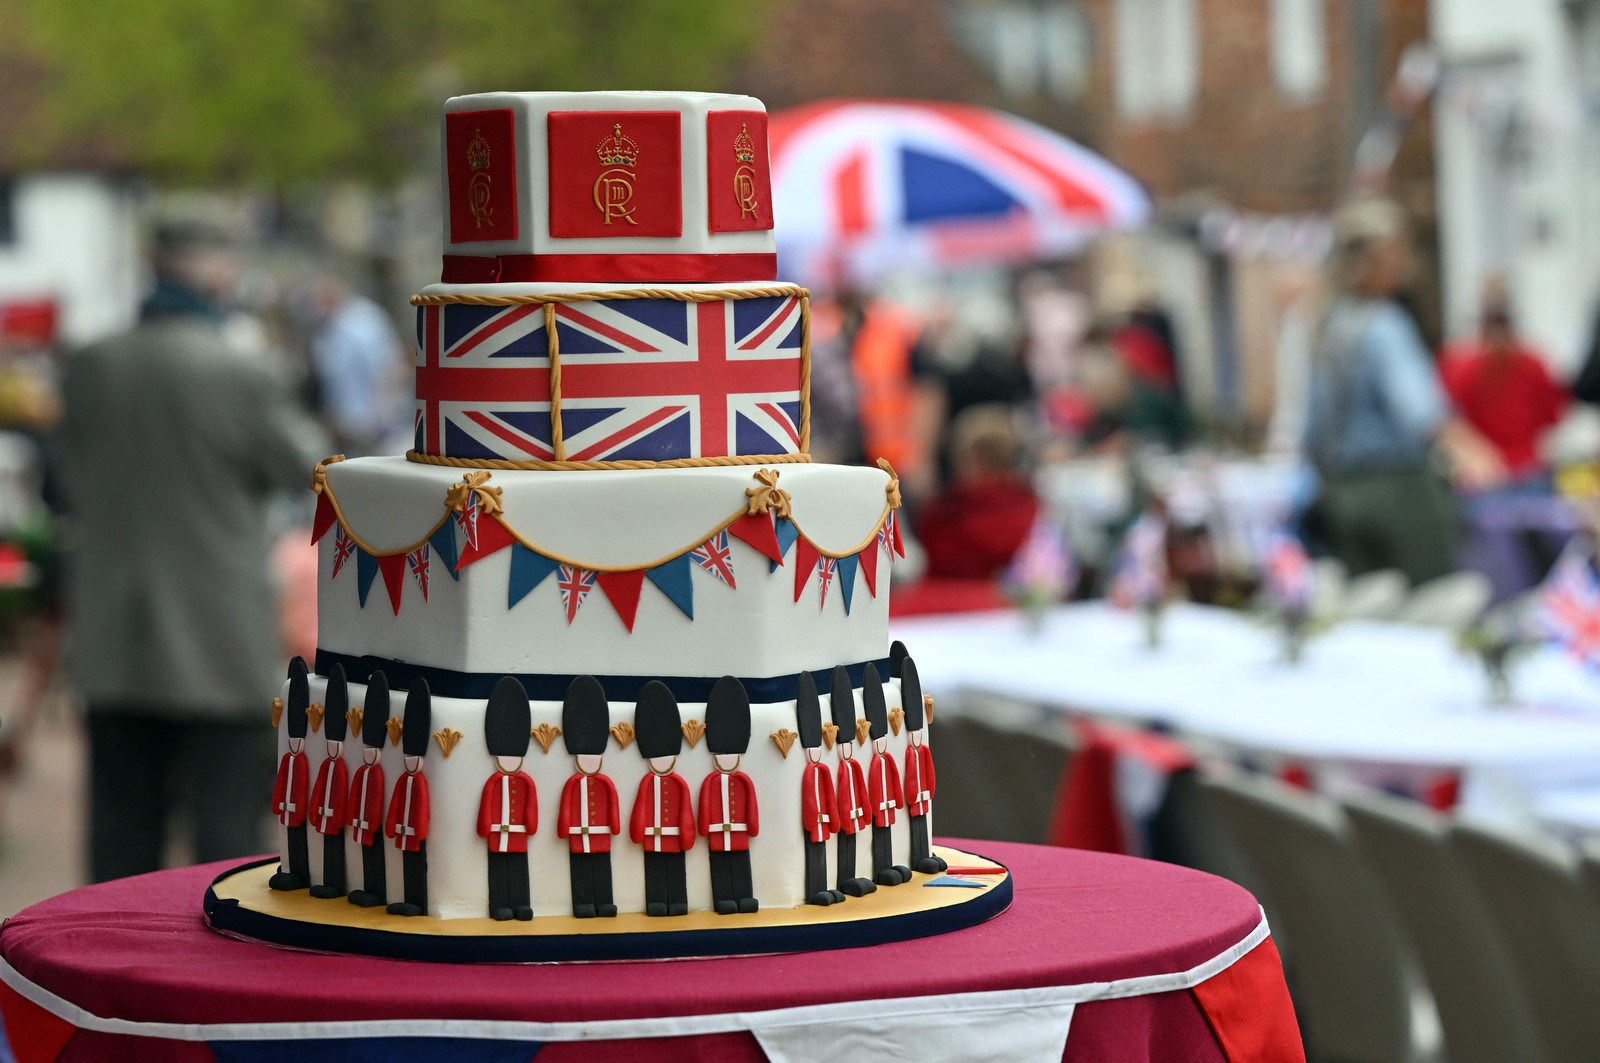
<point x="869" y="566"/>
<point x="37" y="1035"/>
<point x="324" y="517"/>
<point x="393" y="567"/>
<point x="894" y="527"/>
<point x="805" y="563"/>
<point x="757" y="530"/>
<point x="622" y="590"/>
<point x="492" y="536"/>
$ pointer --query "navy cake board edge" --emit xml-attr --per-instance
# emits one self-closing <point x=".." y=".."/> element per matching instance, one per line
<point x="806" y="929"/>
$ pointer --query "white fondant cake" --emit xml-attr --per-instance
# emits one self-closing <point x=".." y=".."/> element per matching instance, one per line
<point x="609" y="502"/>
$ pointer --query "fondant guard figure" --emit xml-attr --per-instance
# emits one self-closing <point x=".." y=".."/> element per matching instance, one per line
<point x="884" y="793"/>
<point x="290" y="792"/>
<point x="366" y="795"/>
<point x="329" y="792"/>
<point x="508" y="810"/>
<point x="897" y="654"/>
<point x="590" y="811"/>
<point x="919" y="780"/>
<point x="851" y="805"/>
<point x="819" y="817"/>
<point x="662" y="820"/>
<point x="729" y="816"/>
<point x="407" y="821"/>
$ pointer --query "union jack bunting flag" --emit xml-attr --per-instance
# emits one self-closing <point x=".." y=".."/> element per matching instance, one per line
<point x="575" y="584"/>
<point x="886" y="534"/>
<point x="417" y="561"/>
<point x="344" y="549"/>
<point x="1569" y="608"/>
<point x="716" y="557"/>
<point x="1288" y="570"/>
<point x="827" y="568"/>
<point x="641" y="379"/>
<point x="467" y="519"/>
<point x="1139" y="576"/>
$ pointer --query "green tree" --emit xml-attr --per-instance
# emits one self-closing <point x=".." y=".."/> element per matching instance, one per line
<point x="290" y="91"/>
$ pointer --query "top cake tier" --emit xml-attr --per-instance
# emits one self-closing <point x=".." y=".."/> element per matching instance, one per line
<point x="606" y="188"/>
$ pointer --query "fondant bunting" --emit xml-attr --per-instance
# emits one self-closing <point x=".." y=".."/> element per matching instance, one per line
<point x="673" y="580"/>
<point x="869" y="567"/>
<point x="393" y="567"/>
<point x="805" y="563"/>
<point x="467" y="519"/>
<point x="417" y="562"/>
<point x="366" y="569"/>
<point x="324" y="518"/>
<point x="489" y="536"/>
<point x="756" y="529"/>
<point x="575" y="584"/>
<point x="622" y="591"/>
<point x="528" y="570"/>
<point x="847" y="579"/>
<point x="827" y="568"/>
<point x="787" y="533"/>
<point x="343" y="548"/>
<point x="443" y="544"/>
<point x="716" y="557"/>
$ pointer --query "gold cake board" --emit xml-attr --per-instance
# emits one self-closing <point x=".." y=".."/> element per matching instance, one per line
<point x="240" y="904"/>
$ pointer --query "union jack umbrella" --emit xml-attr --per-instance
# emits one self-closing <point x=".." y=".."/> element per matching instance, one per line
<point x="716" y="557"/>
<point x="875" y="184"/>
<point x="644" y="379"/>
<point x="1568" y="612"/>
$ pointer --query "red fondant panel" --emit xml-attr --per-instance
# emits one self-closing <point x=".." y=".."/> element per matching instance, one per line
<point x="738" y="171"/>
<point x="616" y="173"/>
<point x="481" y="165"/>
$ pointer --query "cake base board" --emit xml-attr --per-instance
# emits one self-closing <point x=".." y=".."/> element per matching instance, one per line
<point x="239" y="904"/>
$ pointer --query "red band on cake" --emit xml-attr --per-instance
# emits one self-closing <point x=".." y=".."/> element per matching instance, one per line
<point x="612" y="269"/>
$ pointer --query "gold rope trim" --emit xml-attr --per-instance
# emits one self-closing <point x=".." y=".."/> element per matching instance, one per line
<point x="732" y="519"/>
<point x="892" y="488"/>
<point x="600" y="466"/>
<point x="805" y="373"/>
<point x="700" y="295"/>
<point x="558" y="442"/>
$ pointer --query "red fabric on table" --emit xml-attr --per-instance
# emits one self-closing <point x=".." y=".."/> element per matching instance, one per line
<point x="138" y="949"/>
<point x="1087" y="814"/>
<point x="1155" y="1028"/>
<point x="35" y="1035"/>
<point x="1250" y="1011"/>
<point x="91" y="1046"/>
<point x="930" y="596"/>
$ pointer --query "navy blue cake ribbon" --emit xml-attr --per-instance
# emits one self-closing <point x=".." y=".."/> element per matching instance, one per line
<point x="448" y="683"/>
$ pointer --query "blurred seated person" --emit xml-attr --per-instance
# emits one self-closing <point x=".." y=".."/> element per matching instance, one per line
<point x="977" y="523"/>
<point x="1116" y="408"/>
<point x="1502" y="388"/>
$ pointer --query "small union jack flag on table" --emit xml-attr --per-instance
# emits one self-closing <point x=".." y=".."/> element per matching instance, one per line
<point x="641" y="379"/>
<point x="1568" y="612"/>
<point x="1289" y="575"/>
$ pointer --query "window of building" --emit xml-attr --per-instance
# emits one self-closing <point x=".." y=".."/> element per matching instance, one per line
<point x="1157" y="56"/>
<point x="1030" y="47"/>
<point x="1299" y="47"/>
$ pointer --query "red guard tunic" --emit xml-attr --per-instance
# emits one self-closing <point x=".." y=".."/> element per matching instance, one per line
<point x="819" y="812"/>
<point x="884" y="791"/>
<point x="289" y="793"/>
<point x="407" y="822"/>
<point x="919" y="780"/>
<point x="508" y="812"/>
<point x="728" y="814"/>
<point x="328" y="797"/>
<point x="853" y="814"/>
<point x="366" y="804"/>
<point x="662" y="819"/>
<point x="590" y="813"/>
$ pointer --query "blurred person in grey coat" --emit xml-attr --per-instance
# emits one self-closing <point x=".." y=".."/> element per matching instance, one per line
<point x="172" y="443"/>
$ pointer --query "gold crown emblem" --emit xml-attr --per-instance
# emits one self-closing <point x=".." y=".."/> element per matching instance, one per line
<point x="618" y="149"/>
<point x="477" y="151"/>
<point x="744" y="146"/>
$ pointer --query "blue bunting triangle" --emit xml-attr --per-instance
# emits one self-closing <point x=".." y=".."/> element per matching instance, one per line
<point x="528" y="570"/>
<point x="847" y="579"/>
<point x="673" y="580"/>
<point x="366" y="571"/>
<point x="787" y="534"/>
<point x="443" y="544"/>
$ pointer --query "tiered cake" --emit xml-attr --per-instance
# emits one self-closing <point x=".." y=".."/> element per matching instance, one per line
<point x="630" y="650"/>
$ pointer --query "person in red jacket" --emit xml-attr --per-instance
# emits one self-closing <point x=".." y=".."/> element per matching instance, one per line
<point x="884" y="794"/>
<point x="1503" y="389"/>
<point x="919" y="778"/>
<point x="508" y="810"/>
<point x="662" y="820"/>
<point x="290" y="791"/>
<point x="328" y="793"/>
<point x="819" y="811"/>
<point x="852" y="798"/>
<point x="973" y="527"/>
<point x="407" y="821"/>
<point x="590" y="814"/>
<point x="366" y="795"/>
<point x="729" y="813"/>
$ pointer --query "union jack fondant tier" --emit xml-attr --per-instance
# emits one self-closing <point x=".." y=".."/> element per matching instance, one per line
<point x="607" y="188"/>
<point x="655" y="379"/>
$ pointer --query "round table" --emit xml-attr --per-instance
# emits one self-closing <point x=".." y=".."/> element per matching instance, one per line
<point x="1100" y="957"/>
